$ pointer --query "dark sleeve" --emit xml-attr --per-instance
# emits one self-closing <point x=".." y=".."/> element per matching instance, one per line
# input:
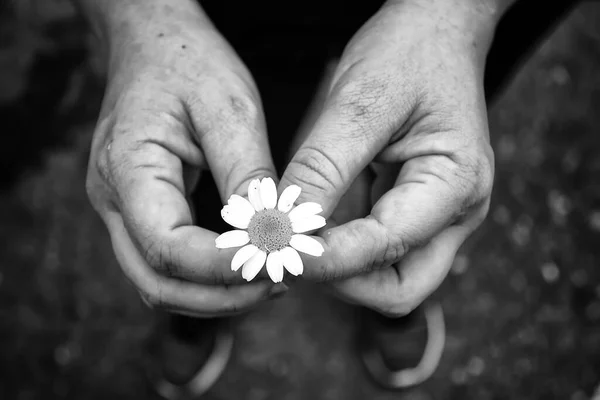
<point x="520" y="30"/>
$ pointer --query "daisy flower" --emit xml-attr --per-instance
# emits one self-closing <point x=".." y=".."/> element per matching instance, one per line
<point x="271" y="231"/>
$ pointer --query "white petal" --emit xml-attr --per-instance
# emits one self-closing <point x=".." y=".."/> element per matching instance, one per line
<point x="240" y="205"/>
<point x="292" y="261"/>
<point x="275" y="266"/>
<point x="243" y="255"/>
<point x="305" y="210"/>
<point x="254" y="195"/>
<point x="232" y="239"/>
<point x="288" y="197"/>
<point x="237" y="219"/>
<point x="308" y="224"/>
<point x="268" y="193"/>
<point x="307" y="244"/>
<point x="253" y="266"/>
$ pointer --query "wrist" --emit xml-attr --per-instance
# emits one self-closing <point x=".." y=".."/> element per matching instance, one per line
<point x="114" y="21"/>
<point x="468" y="23"/>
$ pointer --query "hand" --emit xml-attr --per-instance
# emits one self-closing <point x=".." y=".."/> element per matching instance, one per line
<point x="408" y="94"/>
<point x="178" y="101"/>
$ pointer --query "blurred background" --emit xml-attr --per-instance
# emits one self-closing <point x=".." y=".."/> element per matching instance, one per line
<point x="522" y="301"/>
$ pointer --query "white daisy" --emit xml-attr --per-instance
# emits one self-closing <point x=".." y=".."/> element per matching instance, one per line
<point x="270" y="230"/>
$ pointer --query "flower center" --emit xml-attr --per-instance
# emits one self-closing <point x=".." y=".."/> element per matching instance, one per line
<point x="270" y="230"/>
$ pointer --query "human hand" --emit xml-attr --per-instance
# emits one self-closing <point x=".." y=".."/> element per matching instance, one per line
<point x="178" y="101"/>
<point x="408" y="94"/>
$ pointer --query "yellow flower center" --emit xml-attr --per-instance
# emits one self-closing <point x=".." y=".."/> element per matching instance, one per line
<point x="270" y="230"/>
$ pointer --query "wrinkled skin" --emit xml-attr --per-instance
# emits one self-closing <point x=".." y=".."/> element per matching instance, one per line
<point x="169" y="113"/>
<point x="407" y="94"/>
<point x="399" y="157"/>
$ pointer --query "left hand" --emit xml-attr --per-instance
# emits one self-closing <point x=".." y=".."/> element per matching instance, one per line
<point x="408" y="93"/>
<point x="179" y="103"/>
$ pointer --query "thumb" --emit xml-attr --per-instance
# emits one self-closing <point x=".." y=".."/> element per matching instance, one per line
<point x="351" y="130"/>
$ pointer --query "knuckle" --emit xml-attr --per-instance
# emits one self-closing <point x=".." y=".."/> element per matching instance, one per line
<point x="243" y="107"/>
<point x="232" y="106"/>
<point x="153" y="254"/>
<point x="389" y="251"/>
<point x="111" y="164"/>
<point x="159" y="255"/>
<point x="316" y="171"/>
<point x="391" y="254"/>
<point x="476" y="172"/>
<point x="98" y="182"/>
<point x="395" y="249"/>
<point x="101" y="165"/>
<point x="469" y="175"/>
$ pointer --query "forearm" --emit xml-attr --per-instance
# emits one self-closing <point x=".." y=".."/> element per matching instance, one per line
<point x="491" y="9"/>
<point x="462" y="24"/>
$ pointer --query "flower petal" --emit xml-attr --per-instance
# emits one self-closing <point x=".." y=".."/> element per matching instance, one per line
<point x="268" y="193"/>
<point x="307" y="244"/>
<point x="243" y="255"/>
<point x="253" y="266"/>
<point x="292" y="261"/>
<point x="308" y="224"/>
<point x="254" y="195"/>
<point x="236" y="219"/>
<point x="240" y="205"/>
<point x="288" y="197"/>
<point x="275" y="266"/>
<point x="304" y="210"/>
<point x="232" y="239"/>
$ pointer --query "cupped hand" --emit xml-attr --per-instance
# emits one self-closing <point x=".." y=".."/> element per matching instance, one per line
<point x="178" y="101"/>
<point x="399" y="156"/>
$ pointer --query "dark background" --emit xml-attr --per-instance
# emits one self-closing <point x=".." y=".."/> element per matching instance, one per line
<point x="522" y="301"/>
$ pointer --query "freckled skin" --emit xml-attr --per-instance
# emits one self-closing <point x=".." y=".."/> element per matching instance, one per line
<point x="172" y="112"/>
<point x="406" y="91"/>
<point x="270" y="230"/>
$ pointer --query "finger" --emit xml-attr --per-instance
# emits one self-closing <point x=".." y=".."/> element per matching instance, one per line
<point x="397" y="290"/>
<point x="144" y="165"/>
<point x="429" y="196"/>
<point x="354" y="126"/>
<point x="231" y="130"/>
<point x="178" y="295"/>
<point x="356" y="202"/>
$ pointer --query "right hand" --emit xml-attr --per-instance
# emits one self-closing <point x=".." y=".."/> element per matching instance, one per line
<point x="178" y="100"/>
<point x="406" y="96"/>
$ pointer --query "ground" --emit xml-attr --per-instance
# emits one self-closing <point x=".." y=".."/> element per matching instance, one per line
<point x="522" y="301"/>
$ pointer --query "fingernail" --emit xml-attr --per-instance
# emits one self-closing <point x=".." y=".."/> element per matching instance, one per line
<point x="278" y="290"/>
